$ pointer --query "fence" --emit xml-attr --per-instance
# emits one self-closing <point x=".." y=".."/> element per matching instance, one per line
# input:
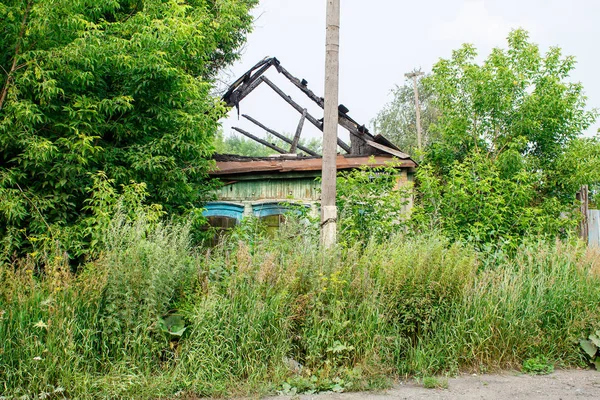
<point x="593" y="222"/>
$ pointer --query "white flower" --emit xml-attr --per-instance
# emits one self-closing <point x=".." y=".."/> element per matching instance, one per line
<point x="41" y="324"/>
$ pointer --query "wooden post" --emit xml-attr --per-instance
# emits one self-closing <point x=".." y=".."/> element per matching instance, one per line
<point x="414" y="76"/>
<point x="582" y="196"/>
<point x="330" y="126"/>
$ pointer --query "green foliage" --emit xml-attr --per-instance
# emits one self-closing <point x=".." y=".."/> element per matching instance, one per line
<point x="509" y="132"/>
<point x="241" y="146"/>
<point x="172" y="325"/>
<point x="277" y="314"/>
<point x="145" y="267"/>
<point x="372" y="204"/>
<point x="580" y="165"/>
<point x="517" y="100"/>
<point x="538" y="366"/>
<point x="476" y="202"/>
<point x="117" y="86"/>
<point x="104" y="203"/>
<point x="397" y="121"/>
<point x="315" y="384"/>
<point x="59" y="330"/>
<point x="591" y="347"/>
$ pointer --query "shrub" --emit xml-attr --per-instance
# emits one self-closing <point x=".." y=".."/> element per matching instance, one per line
<point x="538" y="366"/>
<point x="371" y="204"/>
<point x="476" y="202"/>
<point x="60" y="330"/>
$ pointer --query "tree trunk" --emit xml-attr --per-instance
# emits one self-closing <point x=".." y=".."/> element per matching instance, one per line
<point x="10" y="77"/>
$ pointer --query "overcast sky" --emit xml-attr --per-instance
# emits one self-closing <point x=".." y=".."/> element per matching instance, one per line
<point x="383" y="39"/>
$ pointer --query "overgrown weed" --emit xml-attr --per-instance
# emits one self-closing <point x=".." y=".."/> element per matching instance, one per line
<point x="265" y="314"/>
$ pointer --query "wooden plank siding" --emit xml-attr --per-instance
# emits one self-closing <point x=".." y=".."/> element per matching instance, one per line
<point x="303" y="189"/>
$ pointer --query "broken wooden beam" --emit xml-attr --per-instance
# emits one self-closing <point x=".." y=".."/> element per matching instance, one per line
<point x="248" y="82"/>
<point x="298" y="132"/>
<point x="344" y="120"/>
<point x="280" y="136"/>
<point x="259" y="140"/>
<point x="300" y="109"/>
<point x="244" y="92"/>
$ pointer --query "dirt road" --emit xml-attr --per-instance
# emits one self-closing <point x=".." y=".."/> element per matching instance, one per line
<point x="561" y="385"/>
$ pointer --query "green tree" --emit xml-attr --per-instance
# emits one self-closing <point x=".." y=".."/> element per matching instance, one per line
<point x="120" y="86"/>
<point x="508" y="127"/>
<point x="397" y="121"/>
<point x="518" y="101"/>
<point x="580" y="165"/>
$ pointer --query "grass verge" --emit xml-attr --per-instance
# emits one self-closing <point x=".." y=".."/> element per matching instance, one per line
<point x="269" y="315"/>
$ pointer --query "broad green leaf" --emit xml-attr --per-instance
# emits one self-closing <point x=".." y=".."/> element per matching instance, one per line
<point x="590" y="348"/>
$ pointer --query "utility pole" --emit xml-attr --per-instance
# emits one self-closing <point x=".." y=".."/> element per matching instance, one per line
<point x="330" y="126"/>
<point x="414" y="76"/>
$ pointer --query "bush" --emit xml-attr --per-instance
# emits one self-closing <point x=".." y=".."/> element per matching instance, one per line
<point x="371" y="204"/>
<point x="476" y="202"/>
<point x="61" y="330"/>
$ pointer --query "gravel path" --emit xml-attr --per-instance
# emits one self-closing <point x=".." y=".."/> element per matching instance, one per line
<point x="561" y="385"/>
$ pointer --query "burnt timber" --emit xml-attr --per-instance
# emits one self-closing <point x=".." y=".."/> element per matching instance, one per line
<point x="361" y="140"/>
<point x="262" y="186"/>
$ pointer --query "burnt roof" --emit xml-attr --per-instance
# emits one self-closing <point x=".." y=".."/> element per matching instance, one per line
<point x="362" y="142"/>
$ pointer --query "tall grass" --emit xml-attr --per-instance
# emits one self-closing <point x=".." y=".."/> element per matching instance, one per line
<point x="276" y="314"/>
<point x="61" y="334"/>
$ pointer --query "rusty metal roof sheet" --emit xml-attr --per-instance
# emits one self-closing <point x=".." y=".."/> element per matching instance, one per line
<point x="230" y="165"/>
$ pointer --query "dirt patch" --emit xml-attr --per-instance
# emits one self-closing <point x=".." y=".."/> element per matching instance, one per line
<point x="561" y="385"/>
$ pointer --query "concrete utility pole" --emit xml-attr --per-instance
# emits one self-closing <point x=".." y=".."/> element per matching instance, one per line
<point x="330" y="126"/>
<point x="414" y="76"/>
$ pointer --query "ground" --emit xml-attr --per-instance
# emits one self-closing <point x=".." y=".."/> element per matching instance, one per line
<point x="561" y="385"/>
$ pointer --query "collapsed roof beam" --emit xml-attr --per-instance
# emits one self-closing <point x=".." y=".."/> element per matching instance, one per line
<point x="298" y="132"/>
<point x="259" y="140"/>
<point x="351" y="125"/>
<point x="300" y="109"/>
<point x="247" y="83"/>
<point x="359" y="131"/>
<point x="280" y="136"/>
<point x="241" y="88"/>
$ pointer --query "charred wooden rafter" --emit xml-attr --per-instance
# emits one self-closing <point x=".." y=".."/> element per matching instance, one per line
<point x="280" y="136"/>
<point x="359" y="131"/>
<point x="300" y="109"/>
<point x="247" y="83"/>
<point x="241" y="88"/>
<point x="261" y="141"/>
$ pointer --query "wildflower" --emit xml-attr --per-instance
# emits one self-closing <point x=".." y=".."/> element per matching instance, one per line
<point x="41" y="324"/>
<point x="49" y="301"/>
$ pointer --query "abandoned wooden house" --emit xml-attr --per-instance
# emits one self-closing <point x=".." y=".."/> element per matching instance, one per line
<point x="262" y="186"/>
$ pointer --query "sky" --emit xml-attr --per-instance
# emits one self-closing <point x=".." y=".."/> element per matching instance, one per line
<point x="381" y="40"/>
